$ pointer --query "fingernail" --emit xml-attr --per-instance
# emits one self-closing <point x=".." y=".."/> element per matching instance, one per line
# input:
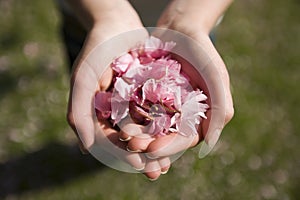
<point x="164" y="172"/>
<point x="153" y="179"/>
<point x="126" y="139"/>
<point x="206" y="147"/>
<point x="150" y="156"/>
<point x="204" y="150"/>
<point x="83" y="150"/>
<point x="139" y="169"/>
<point x="133" y="151"/>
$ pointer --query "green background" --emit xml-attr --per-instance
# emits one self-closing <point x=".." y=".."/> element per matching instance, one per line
<point x="257" y="157"/>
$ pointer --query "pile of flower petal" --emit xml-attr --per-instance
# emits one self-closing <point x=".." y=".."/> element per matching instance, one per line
<point x="150" y="89"/>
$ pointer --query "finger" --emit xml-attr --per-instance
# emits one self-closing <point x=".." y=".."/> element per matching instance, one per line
<point x="137" y="144"/>
<point x="137" y="161"/>
<point x="124" y="137"/>
<point x="130" y="128"/>
<point x="79" y="90"/>
<point x="165" y="164"/>
<point x="83" y="150"/>
<point x="152" y="170"/>
<point x="106" y="79"/>
<point x="108" y="139"/>
<point x="202" y="63"/>
<point x="221" y="106"/>
<point x="72" y="125"/>
<point x="80" y="113"/>
<point x="170" y="144"/>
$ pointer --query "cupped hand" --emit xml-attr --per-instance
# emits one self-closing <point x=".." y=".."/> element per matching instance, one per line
<point x="106" y="40"/>
<point x="203" y="64"/>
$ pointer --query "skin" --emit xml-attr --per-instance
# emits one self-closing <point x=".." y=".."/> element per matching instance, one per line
<point x="120" y="17"/>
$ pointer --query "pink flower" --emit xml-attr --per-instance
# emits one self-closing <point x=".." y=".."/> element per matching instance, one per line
<point x="150" y="87"/>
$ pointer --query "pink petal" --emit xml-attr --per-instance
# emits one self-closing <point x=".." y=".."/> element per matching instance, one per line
<point x="155" y="48"/>
<point x="152" y="44"/>
<point x="103" y="103"/>
<point x="157" y="70"/>
<point x="191" y="112"/>
<point x="119" y="107"/>
<point x="151" y="91"/>
<point x="161" y="121"/>
<point x="169" y="46"/>
<point x="177" y="98"/>
<point x="124" y="89"/>
<point x="136" y="73"/>
<point x="121" y="64"/>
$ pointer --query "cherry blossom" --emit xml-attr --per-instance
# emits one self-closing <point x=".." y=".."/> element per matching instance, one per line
<point x="149" y="87"/>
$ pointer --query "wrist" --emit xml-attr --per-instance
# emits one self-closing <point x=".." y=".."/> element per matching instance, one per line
<point x="116" y="21"/>
<point x="91" y="13"/>
<point x="193" y="16"/>
<point x="181" y="22"/>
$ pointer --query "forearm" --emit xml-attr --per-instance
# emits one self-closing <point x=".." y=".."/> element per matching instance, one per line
<point x="102" y="19"/>
<point x="91" y="13"/>
<point x="193" y="15"/>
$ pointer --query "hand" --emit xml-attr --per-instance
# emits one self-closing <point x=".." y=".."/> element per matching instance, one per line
<point x="98" y="137"/>
<point x="201" y="62"/>
<point x="214" y="80"/>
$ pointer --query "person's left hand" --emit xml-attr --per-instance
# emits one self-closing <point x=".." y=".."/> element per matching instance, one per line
<point x="207" y="72"/>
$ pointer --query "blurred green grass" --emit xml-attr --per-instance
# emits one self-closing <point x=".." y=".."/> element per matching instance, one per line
<point x="256" y="158"/>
